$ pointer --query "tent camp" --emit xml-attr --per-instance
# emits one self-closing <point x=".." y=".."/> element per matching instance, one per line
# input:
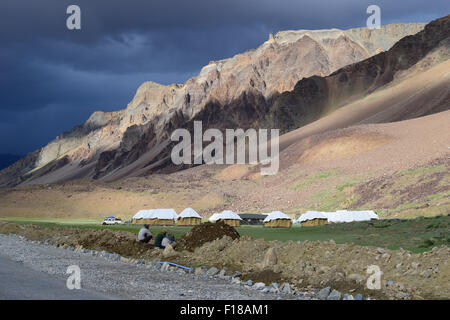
<point x="156" y="217"/>
<point x="277" y="219"/>
<point x="189" y="217"/>
<point x="229" y="217"/>
<point x="312" y="218"/>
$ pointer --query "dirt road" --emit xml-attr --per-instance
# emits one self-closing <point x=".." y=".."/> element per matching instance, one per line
<point x="112" y="279"/>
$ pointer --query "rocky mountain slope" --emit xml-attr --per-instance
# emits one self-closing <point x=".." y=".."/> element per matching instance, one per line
<point x="243" y="91"/>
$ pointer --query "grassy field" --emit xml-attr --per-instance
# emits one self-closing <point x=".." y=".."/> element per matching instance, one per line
<point x="416" y="235"/>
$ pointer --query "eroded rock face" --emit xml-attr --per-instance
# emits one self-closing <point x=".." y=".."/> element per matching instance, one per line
<point x="235" y="92"/>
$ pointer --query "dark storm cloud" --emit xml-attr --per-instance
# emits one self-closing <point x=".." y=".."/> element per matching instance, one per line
<point x="52" y="79"/>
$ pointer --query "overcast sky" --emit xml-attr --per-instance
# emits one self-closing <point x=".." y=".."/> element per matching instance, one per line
<point x="52" y="78"/>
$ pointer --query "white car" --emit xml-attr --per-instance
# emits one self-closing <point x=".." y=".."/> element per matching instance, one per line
<point x="111" y="221"/>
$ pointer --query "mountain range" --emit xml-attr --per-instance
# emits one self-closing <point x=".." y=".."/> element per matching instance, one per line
<point x="295" y="81"/>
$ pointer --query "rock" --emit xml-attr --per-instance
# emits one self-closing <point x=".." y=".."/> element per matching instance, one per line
<point x="274" y="290"/>
<point x="165" y="266"/>
<point x="324" y="293"/>
<point x="212" y="271"/>
<point x="390" y="283"/>
<point x="249" y="283"/>
<point x="426" y="274"/>
<point x="400" y="286"/>
<point x="198" y="271"/>
<point x="334" y="295"/>
<point x="274" y="285"/>
<point x="222" y="274"/>
<point x="381" y="250"/>
<point x="259" y="286"/>
<point x="286" y="288"/>
<point x="235" y="280"/>
<point x="169" y="251"/>
<point x="356" y="277"/>
<point x="359" y="296"/>
<point x="402" y="295"/>
<point x="123" y="259"/>
<point x="386" y="256"/>
<point x="270" y="259"/>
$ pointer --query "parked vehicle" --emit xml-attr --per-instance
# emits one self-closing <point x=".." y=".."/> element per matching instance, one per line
<point x="111" y="221"/>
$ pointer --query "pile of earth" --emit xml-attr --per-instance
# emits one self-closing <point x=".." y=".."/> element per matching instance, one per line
<point x="318" y="264"/>
<point x="204" y="233"/>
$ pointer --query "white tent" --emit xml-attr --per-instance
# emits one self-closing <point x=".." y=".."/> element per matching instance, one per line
<point x="189" y="213"/>
<point x="275" y="215"/>
<point x="311" y="215"/>
<point x="341" y="216"/>
<point x="162" y="214"/>
<point x="228" y="215"/>
<point x="140" y="214"/>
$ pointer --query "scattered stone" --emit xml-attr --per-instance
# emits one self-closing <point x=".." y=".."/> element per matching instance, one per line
<point x="235" y="280"/>
<point x="324" y="293"/>
<point x="334" y="295"/>
<point x="165" y="266"/>
<point x="390" y="283"/>
<point x="359" y="296"/>
<point x="212" y="271"/>
<point x="274" y="285"/>
<point x="259" y="286"/>
<point x="402" y="295"/>
<point x="169" y="251"/>
<point x="270" y="259"/>
<point x="356" y="277"/>
<point x="274" y="290"/>
<point x="222" y="274"/>
<point x="426" y="274"/>
<point x="286" y="288"/>
<point x="198" y="271"/>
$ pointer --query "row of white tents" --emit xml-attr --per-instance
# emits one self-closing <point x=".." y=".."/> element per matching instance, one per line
<point x="276" y="219"/>
<point x="340" y="216"/>
<point x="167" y="217"/>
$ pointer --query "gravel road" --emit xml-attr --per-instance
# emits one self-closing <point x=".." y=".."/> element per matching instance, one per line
<point x="119" y="280"/>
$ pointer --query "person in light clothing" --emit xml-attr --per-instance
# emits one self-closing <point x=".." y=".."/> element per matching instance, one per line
<point x="169" y="239"/>
<point x="144" y="234"/>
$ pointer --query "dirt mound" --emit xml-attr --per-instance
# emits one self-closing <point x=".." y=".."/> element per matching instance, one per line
<point x="123" y="243"/>
<point x="206" y="232"/>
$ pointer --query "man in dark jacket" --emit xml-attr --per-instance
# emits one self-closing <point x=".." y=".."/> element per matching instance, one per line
<point x="159" y="238"/>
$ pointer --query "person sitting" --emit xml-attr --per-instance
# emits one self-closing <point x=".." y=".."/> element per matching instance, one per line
<point x="169" y="239"/>
<point x="144" y="234"/>
<point x="159" y="238"/>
